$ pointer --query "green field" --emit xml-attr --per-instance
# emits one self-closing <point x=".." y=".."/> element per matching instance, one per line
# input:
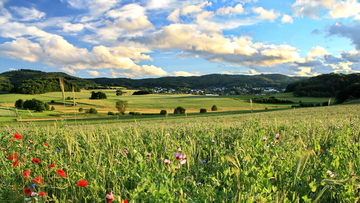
<point x="146" y="104"/>
<point x="315" y="159"/>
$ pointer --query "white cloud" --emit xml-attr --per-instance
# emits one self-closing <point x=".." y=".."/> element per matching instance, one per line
<point x="15" y="30"/>
<point x="28" y="14"/>
<point x="158" y="4"/>
<point x="142" y="23"/>
<point x="238" y="9"/>
<point x="68" y="70"/>
<point x="69" y="27"/>
<point x="287" y="19"/>
<point x="194" y="8"/>
<point x="316" y="52"/>
<point x="22" y="49"/>
<point x="267" y="15"/>
<point x="309" y="8"/>
<point x="96" y="7"/>
<point x="93" y="73"/>
<point x="184" y="73"/>
<point x="346" y="9"/>
<point x="174" y="16"/>
<point x="131" y="11"/>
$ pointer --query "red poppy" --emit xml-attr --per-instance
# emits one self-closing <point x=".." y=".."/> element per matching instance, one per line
<point x="46" y="144"/>
<point x="35" y="160"/>
<point x="61" y="173"/>
<point x="82" y="183"/>
<point x="110" y="200"/>
<point x="321" y="150"/>
<point x="125" y="201"/>
<point x="15" y="164"/>
<point x="42" y="194"/>
<point x="38" y="180"/>
<point x="15" y="156"/>
<point x="26" y="174"/>
<point x="10" y="158"/>
<point x="23" y="160"/>
<point x="17" y="136"/>
<point x="51" y="165"/>
<point x="27" y="191"/>
<point x="12" y="140"/>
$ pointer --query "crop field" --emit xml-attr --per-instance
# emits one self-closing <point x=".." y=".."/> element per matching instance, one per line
<point x="297" y="155"/>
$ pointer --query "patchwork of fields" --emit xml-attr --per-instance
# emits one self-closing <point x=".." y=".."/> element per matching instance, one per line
<point x="297" y="155"/>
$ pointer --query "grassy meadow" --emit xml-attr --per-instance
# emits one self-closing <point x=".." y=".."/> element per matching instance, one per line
<point x="297" y="155"/>
<point x="146" y="104"/>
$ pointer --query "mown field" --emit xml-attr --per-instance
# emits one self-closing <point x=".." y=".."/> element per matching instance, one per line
<point x="301" y="155"/>
<point x="146" y="104"/>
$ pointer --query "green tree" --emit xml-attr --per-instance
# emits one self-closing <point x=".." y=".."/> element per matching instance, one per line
<point x="214" y="108"/>
<point x="163" y="112"/>
<point x="202" y="110"/>
<point x="19" y="103"/>
<point x="52" y="108"/>
<point x="179" y="110"/>
<point x="119" y="92"/>
<point x="121" y="106"/>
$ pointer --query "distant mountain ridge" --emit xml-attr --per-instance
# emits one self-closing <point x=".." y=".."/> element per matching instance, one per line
<point x="15" y="78"/>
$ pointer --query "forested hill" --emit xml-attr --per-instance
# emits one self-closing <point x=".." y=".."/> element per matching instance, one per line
<point x="326" y="85"/>
<point x="18" y="76"/>
<point x="214" y="80"/>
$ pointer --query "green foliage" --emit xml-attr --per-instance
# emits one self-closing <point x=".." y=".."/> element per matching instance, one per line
<point x="214" y="108"/>
<point x="52" y="108"/>
<point x="43" y="85"/>
<point x="144" y="91"/>
<point x="52" y="101"/>
<point x="326" y="85"/>
<point x="92" y="111"/>
<point x="98" y="95"/>
<point x="36" y="105"/>
<point x="19" y="103"/>
<point x="179" y="110"/>
<point x="47" y="107"/>
<point x="272" y="100"/>
<point x="163" y="112"/>
<point x="68" y="98"/>
<point x="111" y="113"/>
<point x="202" y="110"/>
<point x="350" y="92"/>
<point x="81" y="109"/>
<point x="121" y="106"/>
<point x="119" y="92"/>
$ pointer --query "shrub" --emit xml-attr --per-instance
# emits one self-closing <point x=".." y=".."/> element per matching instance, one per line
<point x="98" y="95"/>
<point x="202" y="110"/>
<point x="131" y="113"/>
<point x="68" y="98"/>
<point x="47" y="107"/>
<point x="163" y="112"/>
<point x="179" y="110"/>
<point x="52" y="101"/>
<point x="137" y="113"/>
<point x="214" y="108"/>
<point x="92" y="111"/>
<point x="19" y="103"/>
<point x="36" y="105"/>
<point x="117" y="114"/>
<point x="81" y="109"/>
<point x="52" y="108"/>
<point x="111" y="113"/>
<point x="121" y="106"/>
<point x="266" y="108"/>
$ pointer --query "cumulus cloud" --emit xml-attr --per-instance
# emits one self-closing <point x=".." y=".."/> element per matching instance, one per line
<point x="345" y="9"/>
<point x="238" y="9"/>
<point x="96" y="7"/>
<point x="174" y="16"/>
<point x="287" y="19"/>
<point x="266" y="14"/>
<point x="184" y="73"/>
<point x="68" y="70"/>
<point x="93" y="73"/>
<point x="352" y="56"/>
<point x="22" y="49"/>
<point x="350" y="32"/>
<point x="28" y="14"/>
<point x="131" y="11"/>
<point x="69" y="27"/>
<point x="316" y="52"/>
<point x="142" y="23"/>
<point x="159" y="4"/>
<point x="194" y="8"/>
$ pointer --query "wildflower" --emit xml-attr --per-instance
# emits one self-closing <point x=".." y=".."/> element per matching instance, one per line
<point x="38" y="180"/>
<point x="33" y="194"/>
<point x="46" y="144"/>
<point x="32" y="185"/>
<point x="178" y="156"/>
<point x="329" y="172"/>
<point x="300" y="184"/>
<point x="351" y="141"/>
<point x="155" y="138"/>
<point x="179" y="149"/>
<point x="26" y="174"/>
<point x="58" y="150"/>
<point x="204" y="162"/>
<point x="147" y="160"/>
<point x="212" y="141"/>
<point x="321" y="150"/>
<point x="82" y="183"/>
<point x="183" y="162"/>
<point x="15" y="164"/>
<point x="35" y="160"/>
<point x="277" y="136"/>
<point x="282" y="158"/>
<point x="352" y="175"/>
<point x="110" y="197"/>
<point x="264" y="139"/>
<point x="166" y="161"/>
<point x="61" y="173"/>
<point x="27" y="191"/>
<point x="10" y="158"/>
<point x="4" y="184"/>
<point x="42" y="194"/>
<point x="31" y="142"/>
<point x="148" y="155"/>
<point x="199" y="184"/>
<point x="12" y="140"/>
<point x="2" y="149"/>
<point x="51" y="166"/>
<point x="17" y="136"/>
<point x="273" y="144"/>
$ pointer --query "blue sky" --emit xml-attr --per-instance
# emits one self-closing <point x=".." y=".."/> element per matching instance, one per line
<point x="155" y="38"/>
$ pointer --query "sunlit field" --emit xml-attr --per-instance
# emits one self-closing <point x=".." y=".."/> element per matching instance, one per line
<point x="301" y="155"/>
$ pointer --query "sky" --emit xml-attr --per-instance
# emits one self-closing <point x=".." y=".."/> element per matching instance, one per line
<point x="157" y="38"/>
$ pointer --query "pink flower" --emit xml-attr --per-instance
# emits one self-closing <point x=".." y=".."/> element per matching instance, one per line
<point x="166" y="161"/>
<point x="264" y="139"/>
<point x="179" y="149"/>
<point x="277" y="136"/>
<point x="110" y="197"/>
<point x="183" y="162"/>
